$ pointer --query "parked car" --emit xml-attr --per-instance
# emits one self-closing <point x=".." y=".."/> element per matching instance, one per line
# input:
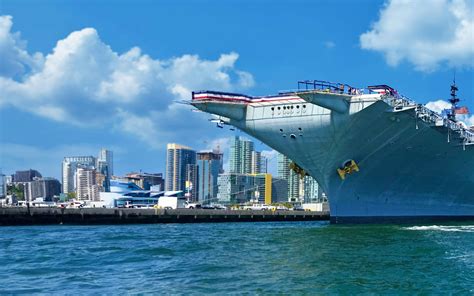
<point x="190" y="205"/>
<point x="219" y="207"/>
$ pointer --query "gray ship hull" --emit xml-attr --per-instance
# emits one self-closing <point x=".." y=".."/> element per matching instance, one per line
<point x="409" y="169"/>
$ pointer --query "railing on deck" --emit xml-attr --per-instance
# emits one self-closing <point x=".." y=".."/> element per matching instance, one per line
<point x="333" y="87"/>
<point x="430" y="116"/>
<point x="330" y="87"/>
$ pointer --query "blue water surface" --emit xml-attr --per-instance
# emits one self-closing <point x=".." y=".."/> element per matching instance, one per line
<point x="249" y="258"/>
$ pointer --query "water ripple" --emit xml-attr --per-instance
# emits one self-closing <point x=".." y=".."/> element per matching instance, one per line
<point x="236" y="258"/>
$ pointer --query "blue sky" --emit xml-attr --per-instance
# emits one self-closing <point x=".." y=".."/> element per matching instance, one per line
<point x="76" y="76"/>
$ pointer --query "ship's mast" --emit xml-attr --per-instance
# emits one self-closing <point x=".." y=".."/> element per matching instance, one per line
<point x="454" y="100"/>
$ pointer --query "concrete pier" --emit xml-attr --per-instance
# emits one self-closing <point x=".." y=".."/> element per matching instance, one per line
<point x="88" y="216"/>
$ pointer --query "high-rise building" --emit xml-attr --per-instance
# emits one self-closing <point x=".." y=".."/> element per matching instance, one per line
<point x="258" y="163"/>
<point x="235" y="188"/>
<point x="210" y="165"/>
<point x="292" y="178"/>
<point x="191" y="183"/>
<point x="87" y="188"/>
<point x="299" y="189"/>
<point x="107" y="156"/>
<point x="26" y="176"/>
<point x="312" y="191"/>
<point x="45" y="188"/>
<point x="3" y="186"/>
<point x="177" y="159"/>
<point x="258" y="188"/>
<point x="262" y="184"/>
<point x="105" y="166"/>
<point x="279" y="190"/>
<point x="240" y="156"/>
<point x="69" y="166"/>
<point x="102" y="169"/>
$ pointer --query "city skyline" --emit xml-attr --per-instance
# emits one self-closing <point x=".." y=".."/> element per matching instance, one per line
<point x="125" y="97"/>
<point x="198" y="174"/>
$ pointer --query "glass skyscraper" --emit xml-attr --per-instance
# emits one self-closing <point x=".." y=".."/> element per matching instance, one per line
<point x="303" y="190"/>
<point x="3" y="186"/>
<point x="177" y="159"/>
<point x="210" y="165"/>
<point x="240" y="156"/>
<point x="105" y="166"/>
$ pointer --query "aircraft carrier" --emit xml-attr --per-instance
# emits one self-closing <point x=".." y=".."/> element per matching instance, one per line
<point x="379" y="156"/>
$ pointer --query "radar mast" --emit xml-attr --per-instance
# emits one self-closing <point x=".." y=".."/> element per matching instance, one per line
<point x="453" y="100"/>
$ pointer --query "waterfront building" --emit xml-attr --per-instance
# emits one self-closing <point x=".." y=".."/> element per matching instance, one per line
<point x="240" y="161"/>
<point x="292" y="178"/>
<point x="26" y="176"/>
<point x="146" y="180"/>
<point x="209" y="166"/>
<point x="262" y="188"/>
<point x="107" y="157"/>
<point x="101" y="181"/>
<point x="235" y="188"/>
<point x="258" y="163"/>
<point x="257" y="188"/>
<point x="3" y="186"/>
<point x="69" y="166"/>
<point x="86" y="184"/>
<point x="45" y="188"/>
<point x="279" y="190"/>
<point x="191" y="183"/>
<point x="177" y="159"/>
<point x="105" y="166"/>
<point x="299" y="189"/>
<point x="312" y="192"/>
<point x="102" y="169"/>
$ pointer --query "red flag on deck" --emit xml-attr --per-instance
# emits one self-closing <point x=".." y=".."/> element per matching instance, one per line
<point x="462" y="110"/>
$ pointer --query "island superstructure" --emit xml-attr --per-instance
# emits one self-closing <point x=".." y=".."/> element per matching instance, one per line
<point x="377" y="154"/>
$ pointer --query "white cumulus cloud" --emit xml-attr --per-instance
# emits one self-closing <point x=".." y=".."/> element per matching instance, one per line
<point x="426" y="33"/>
<point x="440" y="105"/>
<point x="83" y="81"/>
<point x="15" y="60"/>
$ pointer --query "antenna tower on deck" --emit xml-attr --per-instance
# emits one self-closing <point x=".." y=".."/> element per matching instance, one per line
<point x="453" y="100"/>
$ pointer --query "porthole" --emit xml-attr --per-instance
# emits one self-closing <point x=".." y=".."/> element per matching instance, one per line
<point x="279" y="108"/>
<point x="293" y="136"/>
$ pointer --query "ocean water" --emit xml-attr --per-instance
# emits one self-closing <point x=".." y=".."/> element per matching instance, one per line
<point x="250" y="258"/>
